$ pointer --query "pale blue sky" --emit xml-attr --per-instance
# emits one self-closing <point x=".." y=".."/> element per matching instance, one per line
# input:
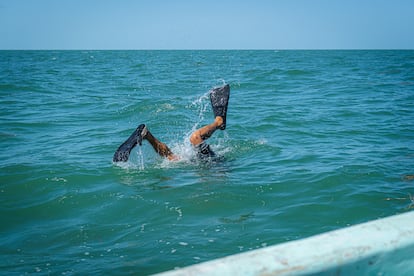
<point x="208" y="24"/>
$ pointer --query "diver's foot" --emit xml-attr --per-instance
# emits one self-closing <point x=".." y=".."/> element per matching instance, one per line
<point x="219" y="121"/>
<point x="142" y="132"/>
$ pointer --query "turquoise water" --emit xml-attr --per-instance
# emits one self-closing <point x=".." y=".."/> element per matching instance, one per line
<point x="315" y="141"/>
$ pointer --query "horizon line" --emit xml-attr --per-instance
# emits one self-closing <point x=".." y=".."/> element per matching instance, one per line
<point x="206" y="49"/>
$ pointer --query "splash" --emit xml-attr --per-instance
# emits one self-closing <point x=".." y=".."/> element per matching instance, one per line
<point x="136" y="161"/>
<point x="182" y="147"/>
<point x="201" y="105"/>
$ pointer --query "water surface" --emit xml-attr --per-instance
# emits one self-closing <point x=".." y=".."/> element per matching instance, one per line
<point x="316" y="141"/>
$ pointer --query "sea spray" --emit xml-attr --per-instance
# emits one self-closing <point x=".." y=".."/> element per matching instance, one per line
<point x="201" y="104"/>
<point x="184" y="149"/>
<point x="140" y="159"/>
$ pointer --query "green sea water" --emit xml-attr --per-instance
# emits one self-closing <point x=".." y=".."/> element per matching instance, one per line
<point x="315" y="141"/>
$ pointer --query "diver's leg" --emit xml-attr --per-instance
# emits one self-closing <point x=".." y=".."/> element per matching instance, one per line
<point x="159" y="147"/>
<point x="122" y="153"/>
<point x="202" y="134"/>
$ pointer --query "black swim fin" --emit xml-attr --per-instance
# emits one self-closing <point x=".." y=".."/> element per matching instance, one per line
<point x="219" y="101"/>
<point x="122" y="153"/>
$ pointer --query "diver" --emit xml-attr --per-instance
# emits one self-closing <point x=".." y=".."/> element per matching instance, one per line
<point x="219" y="98"/>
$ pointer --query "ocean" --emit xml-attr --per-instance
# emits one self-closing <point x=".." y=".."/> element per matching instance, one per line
<point x="315" y="141"/>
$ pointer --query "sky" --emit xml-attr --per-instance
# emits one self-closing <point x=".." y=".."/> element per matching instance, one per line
<point x="207" y="24"/>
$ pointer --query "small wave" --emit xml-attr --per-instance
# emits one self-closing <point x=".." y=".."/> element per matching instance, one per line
<point x="238" y="219"/>
<point x="164" y="107"/>
<point x="296" y="72"/>
<point x="18" y="88"/>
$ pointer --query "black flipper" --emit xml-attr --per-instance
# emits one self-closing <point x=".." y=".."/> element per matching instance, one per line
<point x="219" y="101"/>
<point x="122" y="153"/>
